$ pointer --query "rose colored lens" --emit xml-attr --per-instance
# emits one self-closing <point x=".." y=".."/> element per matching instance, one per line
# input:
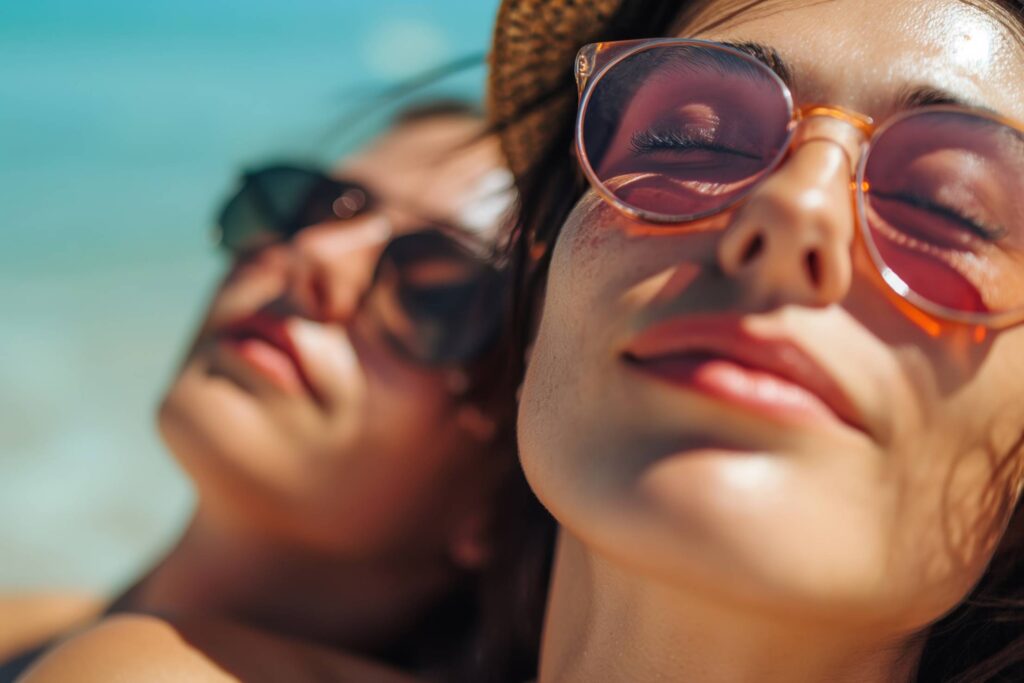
<point x="942" y="209"/>
<point x="676" y="132"/>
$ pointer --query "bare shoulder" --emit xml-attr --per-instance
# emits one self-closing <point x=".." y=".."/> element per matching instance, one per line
<point x="28" y="620"/>
<point x="146" y="648"/>
<point x="127" y="648"/>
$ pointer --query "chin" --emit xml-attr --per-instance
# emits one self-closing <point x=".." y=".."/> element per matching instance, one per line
<point x="217" y="431"/>
<point x="766" y="530"/>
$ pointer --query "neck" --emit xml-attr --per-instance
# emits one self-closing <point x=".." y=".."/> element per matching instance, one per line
<point x="606" y="623"/>
<point x="365" y="604"/>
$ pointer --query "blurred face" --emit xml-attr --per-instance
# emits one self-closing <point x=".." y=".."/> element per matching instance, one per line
<point x="738" y="406"/>
<point x="295" y="414"/>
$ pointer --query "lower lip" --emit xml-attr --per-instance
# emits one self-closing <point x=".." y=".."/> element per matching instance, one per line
<point x="270" y="361"/>
<point x="750" y="389"/>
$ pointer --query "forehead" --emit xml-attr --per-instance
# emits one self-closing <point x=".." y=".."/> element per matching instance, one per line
<point x="863" y="53"/>
<point x="433" y="165"/>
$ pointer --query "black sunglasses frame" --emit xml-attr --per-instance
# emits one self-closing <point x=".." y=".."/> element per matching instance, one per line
<point x="473" y="317"/>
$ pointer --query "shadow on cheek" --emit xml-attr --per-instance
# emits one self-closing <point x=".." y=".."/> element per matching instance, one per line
<point x="980" y="495"/>
<point x="953" y="353"/>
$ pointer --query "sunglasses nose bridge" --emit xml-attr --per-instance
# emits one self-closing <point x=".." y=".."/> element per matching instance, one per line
<point x="791" y="238"/>
<point x="849" y="131"/>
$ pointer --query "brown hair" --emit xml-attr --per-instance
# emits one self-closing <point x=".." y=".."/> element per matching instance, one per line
<point x="982" y="639"/>
<point x="510" y="592"/>
<point x="487" y="629"/>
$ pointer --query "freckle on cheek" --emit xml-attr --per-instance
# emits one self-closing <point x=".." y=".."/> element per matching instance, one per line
<point x="589" y="240"/>
<point x="590" y="229"/>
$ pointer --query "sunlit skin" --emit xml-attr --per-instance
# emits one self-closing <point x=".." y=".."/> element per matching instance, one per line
<point x="713" y="536"/>
<point x="339" y="497"/>
<point x="27" y="619"/>
<point x="367" y="410"/>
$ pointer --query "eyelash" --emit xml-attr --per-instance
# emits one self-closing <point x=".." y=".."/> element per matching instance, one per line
<point x="977" y="228"/>
<point x="650" y="141"/>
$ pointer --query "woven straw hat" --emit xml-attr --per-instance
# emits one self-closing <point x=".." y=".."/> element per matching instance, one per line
<point x="535" y="42"/>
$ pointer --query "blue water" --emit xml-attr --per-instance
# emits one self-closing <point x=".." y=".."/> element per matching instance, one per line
<point x="121" y="125"/>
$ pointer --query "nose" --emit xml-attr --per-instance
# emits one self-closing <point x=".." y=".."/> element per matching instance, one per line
<point x="333" y="265"/>
<point x="789" y="243"/>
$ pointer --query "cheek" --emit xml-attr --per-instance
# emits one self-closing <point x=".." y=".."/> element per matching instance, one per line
<point x="403" y="402"/>
<point x="939" y="357"/>
<point x="959" y="472"/>
<point x="568" y="343"/>
<point x="581" y="281"/>
<point x="604" y="269"/>
<point x="952" y="519"/>
<point x="247" y="286"/>
<point x="407" y="413"/>
<point x="987" y="475"/>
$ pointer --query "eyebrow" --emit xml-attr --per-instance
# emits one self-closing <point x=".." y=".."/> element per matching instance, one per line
<point x="910" y="97"/>
<point x="768" y="56"/>
<point x="927" y="95"/>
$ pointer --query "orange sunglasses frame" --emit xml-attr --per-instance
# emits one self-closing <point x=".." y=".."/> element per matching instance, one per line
<point x="594" y="61"/>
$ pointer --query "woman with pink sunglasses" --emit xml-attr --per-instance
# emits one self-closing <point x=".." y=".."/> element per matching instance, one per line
<point x="773" y="266"/>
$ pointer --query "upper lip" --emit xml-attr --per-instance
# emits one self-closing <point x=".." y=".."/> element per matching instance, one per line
<point x="729" y="338"/>
<point x="274" y="331"/>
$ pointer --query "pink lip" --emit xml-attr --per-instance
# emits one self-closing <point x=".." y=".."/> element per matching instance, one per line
<point x="264" y="342"/>
<point x="717" y="356"/>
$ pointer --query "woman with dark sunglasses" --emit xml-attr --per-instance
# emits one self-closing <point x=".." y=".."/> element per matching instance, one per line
<point x="338" y="417"/>
<point x="773" y="266"/>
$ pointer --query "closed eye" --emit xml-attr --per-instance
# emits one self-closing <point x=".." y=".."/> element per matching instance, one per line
<point x="652" y="141"/>
<point x="975" y="227"/>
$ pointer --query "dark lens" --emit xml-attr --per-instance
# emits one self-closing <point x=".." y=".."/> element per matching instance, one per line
<point x="942" y="202"/>
<point x="682" y="131"/>
<point x="437" y="301"/>
<point x="275" y="202"/>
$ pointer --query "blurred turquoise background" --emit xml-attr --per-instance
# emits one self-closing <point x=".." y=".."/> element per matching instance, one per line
<point x="122" y="124"/>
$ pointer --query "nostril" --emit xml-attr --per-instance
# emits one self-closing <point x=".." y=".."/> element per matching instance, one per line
<point x="813" y="263"/>
<point x="321" y="297"/>
<point x="754" y="247"/>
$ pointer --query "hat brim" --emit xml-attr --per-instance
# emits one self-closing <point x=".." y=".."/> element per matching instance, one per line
<point x="530" y="82"/>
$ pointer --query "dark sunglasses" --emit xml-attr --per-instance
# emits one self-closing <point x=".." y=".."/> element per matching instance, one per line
<point x="675" y="130"/>
<point x="435" y="296"/>
<point x="275" y="202"/>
